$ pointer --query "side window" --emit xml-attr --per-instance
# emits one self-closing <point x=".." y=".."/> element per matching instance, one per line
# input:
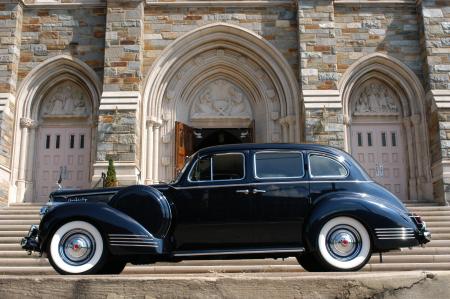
<point x="219" y="167"/>
<point x="202" y="170"/>
<point x="322" y="166"/>
<point x="278" y="165"/>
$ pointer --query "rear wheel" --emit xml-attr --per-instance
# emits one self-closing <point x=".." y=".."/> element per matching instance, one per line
<point x="343" y="245"/>
<point x="77" y="247"/>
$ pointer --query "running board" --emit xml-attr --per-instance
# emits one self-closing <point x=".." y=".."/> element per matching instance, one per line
<point x="237" y="251"/>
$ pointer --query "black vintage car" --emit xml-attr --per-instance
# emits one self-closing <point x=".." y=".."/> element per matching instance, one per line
<point x="311" y="202"/>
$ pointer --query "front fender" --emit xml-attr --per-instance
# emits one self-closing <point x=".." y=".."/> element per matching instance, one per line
<point x="110" y="222"/>
<point x="370" y="211"/>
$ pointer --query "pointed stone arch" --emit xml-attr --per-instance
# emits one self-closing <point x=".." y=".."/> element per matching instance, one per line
<point x="31" y="93"/>
<point x="400" y="79"/>
<point x="217" y="52"/>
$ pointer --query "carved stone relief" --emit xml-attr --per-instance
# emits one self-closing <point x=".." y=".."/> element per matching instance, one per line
<point x="221" y="99"/>
<point x="376" y="98"/>
<point x="66" y="99"/>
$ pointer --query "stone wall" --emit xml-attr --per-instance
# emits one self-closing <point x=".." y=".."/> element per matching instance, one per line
<point x="49" y="32"/>
<point x="435" y="45"/>
<point x="10" y="36"/>
<point x="277" y="24"/>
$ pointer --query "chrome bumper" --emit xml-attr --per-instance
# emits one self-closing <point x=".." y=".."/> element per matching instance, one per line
<point x="30" y="243"/>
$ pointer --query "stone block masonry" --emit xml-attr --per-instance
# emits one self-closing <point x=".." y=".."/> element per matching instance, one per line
<point x="277" y="24"/>
<point x="49" y="32"/>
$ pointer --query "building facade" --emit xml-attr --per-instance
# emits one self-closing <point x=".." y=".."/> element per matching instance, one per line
<point x="147" y="82"/>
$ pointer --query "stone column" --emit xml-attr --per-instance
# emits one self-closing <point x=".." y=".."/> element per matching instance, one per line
<point x="10" y="41"/>
<point x="26" y="125"/>
<point x="434" y="17"/>
<point x="156" y="162"/>
<point x="291" y="120"/>
<point x="410" y="146"/>
<point x="285" y="129"/>
<point x="119" y="115"/>
<point x="149" y="161"/>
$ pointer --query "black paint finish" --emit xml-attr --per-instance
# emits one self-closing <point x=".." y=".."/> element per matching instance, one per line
<point x="274" y="217"/>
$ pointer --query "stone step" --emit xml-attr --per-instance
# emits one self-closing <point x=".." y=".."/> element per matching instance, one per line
<point x="18" y="222"/>
<point x="8" y="240"/>
<point x="15" y="227"/>
<point x="424" y="214"/>
<point x="420" y="251"/>
<point x="444" y="224"/>
<point x="6" y="254"/>
<point x="18" y="212"/>
<point x="439" y="230"/>
<point x="433" y="219"/>
<point x="428" y="208"/>
<point x="34" y="217"/>
<point x="24" y="262"/>
<point x="13" y="233"/>
<point x="10" y="247"/>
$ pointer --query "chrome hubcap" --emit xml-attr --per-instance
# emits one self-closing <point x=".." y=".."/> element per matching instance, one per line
<point x="77" y="247"/>
<point x="344" y="242"/>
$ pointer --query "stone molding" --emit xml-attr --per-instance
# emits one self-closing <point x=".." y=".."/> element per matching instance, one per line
<point x="441" y="97"/>
<point x="374" y="2"/>
<point x="5" y="98"/>
<point x="120" y="100"/>
<point x="58" y="4"/>
<point x="28" y="123"/>
<point x="317" y="99"/>
<point x="221" y="3"/>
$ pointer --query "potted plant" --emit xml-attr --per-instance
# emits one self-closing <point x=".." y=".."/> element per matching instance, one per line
<point x="111" y="180"/>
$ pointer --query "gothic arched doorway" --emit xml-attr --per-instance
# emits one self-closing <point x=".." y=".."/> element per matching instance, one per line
<point x="219" y="76"/>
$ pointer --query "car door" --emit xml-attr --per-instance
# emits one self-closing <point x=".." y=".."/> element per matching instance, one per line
<point x="280" y="197"/>
<point x="213" y="208"/>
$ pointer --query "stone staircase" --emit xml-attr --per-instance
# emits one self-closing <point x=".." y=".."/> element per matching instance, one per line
<point x="15" y="221"/>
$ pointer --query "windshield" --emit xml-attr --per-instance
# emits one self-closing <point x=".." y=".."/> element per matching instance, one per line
<point x="187" y="161"/>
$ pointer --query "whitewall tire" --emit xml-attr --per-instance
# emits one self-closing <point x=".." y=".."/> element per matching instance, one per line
<point x="77" y="247"/>
<point x="344" y="244"/>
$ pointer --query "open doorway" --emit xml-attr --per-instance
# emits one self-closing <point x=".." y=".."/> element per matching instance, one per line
<point x="190" y="140"/>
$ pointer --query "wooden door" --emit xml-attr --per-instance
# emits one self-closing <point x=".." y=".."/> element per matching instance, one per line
<point x="380" y="149"/>
<point x="62" y="153"/>
<point x="184" y="144"/>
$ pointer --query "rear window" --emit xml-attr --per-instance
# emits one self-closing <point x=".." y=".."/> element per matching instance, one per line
<point x="323" y="166"/>
<point x="278" y="165"/>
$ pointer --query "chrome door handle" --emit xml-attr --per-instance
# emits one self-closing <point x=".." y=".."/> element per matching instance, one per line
<point x="258" y="191"/>
<point x="243" y="191"/>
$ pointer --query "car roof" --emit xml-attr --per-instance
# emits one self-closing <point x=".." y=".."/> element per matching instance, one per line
<point x="263" y="146"/>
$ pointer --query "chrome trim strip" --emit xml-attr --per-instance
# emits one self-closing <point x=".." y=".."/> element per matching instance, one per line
<point x="396" y="238"/>
<point x="279" y="178"/>
<point x="131" y="239"/>
<point x="134" y="245"/>
<point x="86" y="194"/>
<point x="393" y="228"/>
<point x="266" y="183"/>
<point x="244" y="251"/>
<point x="129" y="235"/>
<point x="394" y="235"/>
<point x="133" y="242"/>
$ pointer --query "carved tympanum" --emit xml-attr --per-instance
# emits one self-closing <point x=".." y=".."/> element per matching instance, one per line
<point x="221" y="99"/>
<point x="66" y="99"/>
<point x="376" y="98"/>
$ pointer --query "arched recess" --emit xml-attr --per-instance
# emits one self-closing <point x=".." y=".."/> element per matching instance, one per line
<point x="252" y="70"/>
<point x="406" y="91"/>
<point x="32" y="93"/>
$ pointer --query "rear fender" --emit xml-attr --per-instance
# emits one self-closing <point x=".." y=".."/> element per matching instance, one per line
<point x="367" y="210"/>
<point x="112" y="224"/>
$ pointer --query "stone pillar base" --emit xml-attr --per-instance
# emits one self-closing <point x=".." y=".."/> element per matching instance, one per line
<point x="126" y="172"/>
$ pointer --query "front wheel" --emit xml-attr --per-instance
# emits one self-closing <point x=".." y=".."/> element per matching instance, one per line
<point x="77" y="247"/>
<point x="343" y="244"/>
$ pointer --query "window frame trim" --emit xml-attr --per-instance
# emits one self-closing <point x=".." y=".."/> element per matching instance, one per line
<point x="212" y="166"/>
<point x="327" y="176"/>
<point x="255" y="175"/>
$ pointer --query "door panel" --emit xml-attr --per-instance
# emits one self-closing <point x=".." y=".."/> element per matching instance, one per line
<point x="184" y="144"/>
<point x="384" y="156"/>
<point x="66" y="157"/>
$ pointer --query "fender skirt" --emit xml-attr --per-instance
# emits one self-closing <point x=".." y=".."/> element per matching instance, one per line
<point x="122" y="234"/>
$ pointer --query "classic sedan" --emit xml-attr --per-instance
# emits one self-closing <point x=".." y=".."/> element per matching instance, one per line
<point x="311" y="202"/>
